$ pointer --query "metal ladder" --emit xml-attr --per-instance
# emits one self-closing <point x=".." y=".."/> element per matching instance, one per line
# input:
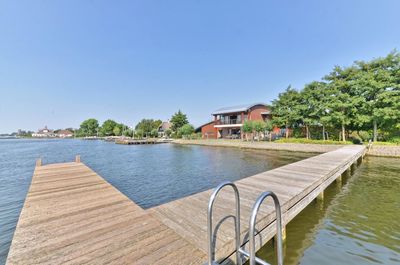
<point x="253" y="260"/>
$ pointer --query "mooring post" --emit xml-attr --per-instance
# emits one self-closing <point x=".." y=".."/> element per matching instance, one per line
<point x="284" y="233"/>
<point x="39" y="162"/>
<point x="77" y="158"/>
<point x="339" y="180"/>
<point x="320" y="196"/>
<point x="353" y="167"/>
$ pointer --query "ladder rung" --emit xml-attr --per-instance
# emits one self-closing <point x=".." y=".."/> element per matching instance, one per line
<point x="258" y="260"/>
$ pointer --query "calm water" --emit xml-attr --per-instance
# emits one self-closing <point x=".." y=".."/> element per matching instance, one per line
<point x="148" y="174"/>
<point x="358" y="223"/>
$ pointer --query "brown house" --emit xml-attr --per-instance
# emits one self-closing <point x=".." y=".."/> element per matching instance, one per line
<point x="228" y="121"/>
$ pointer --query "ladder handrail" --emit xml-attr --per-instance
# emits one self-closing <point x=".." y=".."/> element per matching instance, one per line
<point x="252" y="224"/>
<point x="209" y="221"/>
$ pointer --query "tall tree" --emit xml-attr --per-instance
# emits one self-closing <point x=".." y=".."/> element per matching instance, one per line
<point x="107" y="128"/>
<point x="178" y="120"/>
<point x="315" y="96"/>
<point x="286" y="109"/>
<point x="89" y="127"/>
<point x="378" y="83"/>
<point x="342" y="104"/>
<point x="148" y="125"/>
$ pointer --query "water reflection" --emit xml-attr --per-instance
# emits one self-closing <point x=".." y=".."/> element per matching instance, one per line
<point x="355" y="224"/>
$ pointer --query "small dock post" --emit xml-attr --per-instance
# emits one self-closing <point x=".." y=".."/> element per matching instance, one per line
<point x="39" y="162"/>
<point x="339" y="180"/>
<point x="320" y="196"/>
<point x="283" y="234"/>
<point x="77" y="158"/>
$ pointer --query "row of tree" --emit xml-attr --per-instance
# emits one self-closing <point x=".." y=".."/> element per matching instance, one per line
<point x="364" y="97"/>
<point x="91" y="127"/>
<point x="257" y="128"/>
<point x="145" y="128"/>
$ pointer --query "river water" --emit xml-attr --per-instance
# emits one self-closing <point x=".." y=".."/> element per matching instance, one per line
<point x="357" y="223"/>
<point x="148" y="174"/>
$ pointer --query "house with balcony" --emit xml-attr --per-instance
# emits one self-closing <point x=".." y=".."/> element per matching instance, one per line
<point x="227" y="122"/>
<point x="44" y="133"/>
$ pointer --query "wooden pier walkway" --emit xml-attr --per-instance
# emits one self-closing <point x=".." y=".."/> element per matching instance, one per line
<point x="73" y="216"/>
<point x="296" y="185"/>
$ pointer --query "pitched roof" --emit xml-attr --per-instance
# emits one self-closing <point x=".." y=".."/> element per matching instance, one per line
<point x="165" y="125"/>
<point x="198" y="129"/>
<point x="64" y="132"/>
<point x="238" y="108"/>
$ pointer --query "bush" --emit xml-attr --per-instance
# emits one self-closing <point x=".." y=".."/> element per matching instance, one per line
<point x="364" y="135"/>
<point x="395" y="140"/>
<point x="356" y="140"/>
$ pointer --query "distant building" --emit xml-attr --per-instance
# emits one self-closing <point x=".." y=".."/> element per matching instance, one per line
<point x="64" y="134"/>
<point x="44" y="133"/>
<point x="228" y="122"/>
<point x="165" y="125"/>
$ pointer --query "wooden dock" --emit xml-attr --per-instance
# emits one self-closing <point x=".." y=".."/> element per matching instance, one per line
<point x="296" y="185"/>
<point x="73" y="216"/>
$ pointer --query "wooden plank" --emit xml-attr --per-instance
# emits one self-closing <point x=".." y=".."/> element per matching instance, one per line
<point x="296" y="185"/>
<point x="73" y="216"/>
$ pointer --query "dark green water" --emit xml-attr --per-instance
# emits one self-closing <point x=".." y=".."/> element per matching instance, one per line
<point x="357" y="223"/>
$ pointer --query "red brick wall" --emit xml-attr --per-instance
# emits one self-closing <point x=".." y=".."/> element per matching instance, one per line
<point x="210" y="130"/>
<point x="255" y="112"/>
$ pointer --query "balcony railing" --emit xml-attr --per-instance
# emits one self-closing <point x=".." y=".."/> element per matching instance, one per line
<point x="230" y="121"/>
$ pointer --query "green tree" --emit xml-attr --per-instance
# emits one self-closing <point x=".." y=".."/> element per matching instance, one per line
<point x="89" y="127"/>
<point x="127" y="132"/>
<point x="139" y="133"/>
<point x="168" y="132"/>
<point x="117" y="131"/>
<point x="178" y="120"/>
<point x="186" y="130"/>
<point x="269" y="127"/>
<point x="148" y="125"/>
<point x="286" y="109"/>
<point x="377" y="81"/>
<point x="154" y="133"/>
<point x="343" y="104"/>
<point x="315" y="97"/>
<point x="107" y="128"/>
<point x="248" y="127"/>
<point x="259" y="127"/>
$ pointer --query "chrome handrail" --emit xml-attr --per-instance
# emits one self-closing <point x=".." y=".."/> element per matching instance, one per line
<point x="252" y="225"/>
<point x="211" y="254"/>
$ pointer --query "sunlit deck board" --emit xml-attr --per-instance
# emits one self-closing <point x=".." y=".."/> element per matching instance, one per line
<point x="73" y="216"/>
<point x="296" y="185"/>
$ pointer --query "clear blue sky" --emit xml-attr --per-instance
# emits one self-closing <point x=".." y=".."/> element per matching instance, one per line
<point x="65" y="61"/>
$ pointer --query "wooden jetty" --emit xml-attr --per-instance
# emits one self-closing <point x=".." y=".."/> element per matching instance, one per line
<point x="73" y="216"/>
